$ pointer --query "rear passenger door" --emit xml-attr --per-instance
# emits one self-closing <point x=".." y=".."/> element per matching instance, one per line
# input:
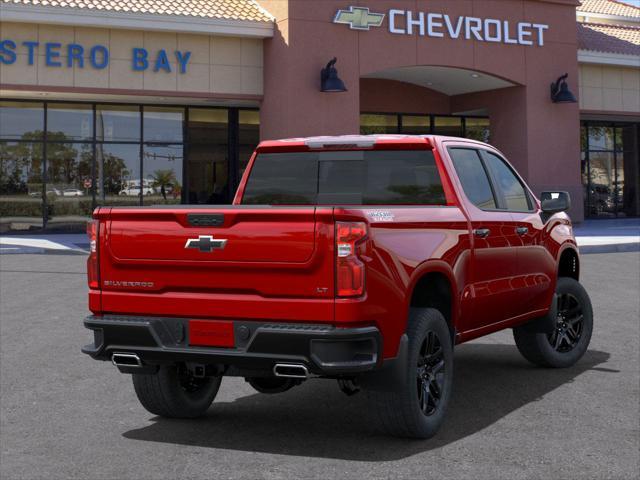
<point x="535" y="265"/>
<point x="494" y="258"/>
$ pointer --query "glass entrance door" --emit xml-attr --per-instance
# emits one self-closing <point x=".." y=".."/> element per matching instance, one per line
<point x="610" y="169"/>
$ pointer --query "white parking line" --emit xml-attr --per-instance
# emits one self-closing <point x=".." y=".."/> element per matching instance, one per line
<point x="612" y="240"/>
<point x="32" y="242"/>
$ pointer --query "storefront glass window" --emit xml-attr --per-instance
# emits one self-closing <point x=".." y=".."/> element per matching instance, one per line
<point x="450" y="126"/>
<point x="21" y="186"/>
<point x="602" y="184"/>
<point x="162" y="124"/>
<point x="69" y="122"/>
<point x="477" y="129"/>
<point x="118" y="174"/>
<point x="118" y="123"/>
<point x="21" y="121"/>
<point x="248" y="136"/>
<point x="601" y="137"/>
<point x="108" y="154"/>
<point x="378" y="124"/>
<point x="208" y="125"/>
<point x="162" y="173"/>
<point x="69" y="168"/>
<point x="208" y="156"/>
<point x="416" y="124"/>
<point x="610" y="169"/>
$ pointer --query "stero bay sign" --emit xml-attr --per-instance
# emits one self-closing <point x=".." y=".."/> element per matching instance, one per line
<point x="442" y="25"/>
<point x="95" y="56"/>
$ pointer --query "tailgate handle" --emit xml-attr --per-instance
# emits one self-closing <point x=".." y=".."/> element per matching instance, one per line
<point x="205" y="220"/>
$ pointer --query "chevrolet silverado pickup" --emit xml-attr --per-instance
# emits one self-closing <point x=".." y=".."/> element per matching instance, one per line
<point x="363" y="259"/>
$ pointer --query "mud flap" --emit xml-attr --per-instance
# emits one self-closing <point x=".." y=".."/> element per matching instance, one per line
<point x="546" y="323"/>
<point x="392" y="376"/>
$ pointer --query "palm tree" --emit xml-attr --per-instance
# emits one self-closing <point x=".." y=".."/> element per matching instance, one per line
<point x="163" y="178"/>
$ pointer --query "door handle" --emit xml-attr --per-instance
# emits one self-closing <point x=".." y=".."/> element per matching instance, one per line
<point x="482" y="232"/>
<point x="522" y="230"/>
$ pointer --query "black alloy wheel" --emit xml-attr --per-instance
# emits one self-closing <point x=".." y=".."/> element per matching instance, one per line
<point x="430" y="374"/>
<point x="569" y="324"/>
<point x="569" y="340"/>
<point x="414" y="404"/>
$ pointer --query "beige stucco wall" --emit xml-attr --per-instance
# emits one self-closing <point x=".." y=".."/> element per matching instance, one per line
<point x="609" y="88"/>
<point x="218" y="65"/>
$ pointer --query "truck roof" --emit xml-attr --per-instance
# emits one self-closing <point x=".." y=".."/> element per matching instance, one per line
<point x="356" y="141"/>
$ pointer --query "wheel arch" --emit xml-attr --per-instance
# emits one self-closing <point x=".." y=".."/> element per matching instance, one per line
<point x="434" y="286"/>
<point x="569" y="263"/>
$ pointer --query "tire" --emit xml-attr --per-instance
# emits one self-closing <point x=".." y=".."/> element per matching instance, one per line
<point x="272" y="385"/>
<point x="406" y="411"/>
<point x="172" y="393"/>
<point x="569" y="341"/>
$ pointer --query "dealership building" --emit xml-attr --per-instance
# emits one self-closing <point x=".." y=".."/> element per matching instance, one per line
<point x="143" y="102"/>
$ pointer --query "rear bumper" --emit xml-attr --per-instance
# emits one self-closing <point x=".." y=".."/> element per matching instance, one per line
<point x="325" y="350"/>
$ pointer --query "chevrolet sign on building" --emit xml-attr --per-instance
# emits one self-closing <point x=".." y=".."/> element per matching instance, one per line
<point x="359" y="18"/>
<point x="440" y="25"/>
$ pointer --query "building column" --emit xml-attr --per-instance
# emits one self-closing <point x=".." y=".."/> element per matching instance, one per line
<point x="541" y="139"/>
<point x="293" y="104"/>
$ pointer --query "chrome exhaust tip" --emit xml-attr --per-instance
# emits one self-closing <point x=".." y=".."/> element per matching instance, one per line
<point x="290" y="370"/>
<point x="126" y="360"/>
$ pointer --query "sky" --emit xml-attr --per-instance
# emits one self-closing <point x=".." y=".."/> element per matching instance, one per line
<point x="635" y="3"/>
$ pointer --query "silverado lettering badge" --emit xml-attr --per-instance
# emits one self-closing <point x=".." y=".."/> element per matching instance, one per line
<point x="125" y="283"/>
<point x="381" y="216"/>
<point x="206" y="243"/>
<point x="359" y="18"/>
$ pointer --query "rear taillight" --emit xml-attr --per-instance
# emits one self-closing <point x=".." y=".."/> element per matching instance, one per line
<point x="349" y="268"/>
<point x="92" y="261"/>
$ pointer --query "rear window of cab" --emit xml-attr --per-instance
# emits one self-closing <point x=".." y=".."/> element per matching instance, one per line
<point x="346" y="177"/>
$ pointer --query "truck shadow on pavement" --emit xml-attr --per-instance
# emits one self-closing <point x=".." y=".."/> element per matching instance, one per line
<point x="317" y="420"/>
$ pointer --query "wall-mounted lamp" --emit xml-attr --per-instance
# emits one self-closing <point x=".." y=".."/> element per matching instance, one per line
<point x="329" y="80"/>
<point x="560" y="92"/>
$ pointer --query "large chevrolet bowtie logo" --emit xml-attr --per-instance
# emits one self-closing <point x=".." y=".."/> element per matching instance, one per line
<point x="206" y="243"/>
<point x="359" y="18"/>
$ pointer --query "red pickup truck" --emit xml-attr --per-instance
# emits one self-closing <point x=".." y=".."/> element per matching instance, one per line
<point x="358" y="258"/>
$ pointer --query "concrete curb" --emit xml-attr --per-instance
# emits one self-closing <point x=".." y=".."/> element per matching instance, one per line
<point x="619" y="248"/>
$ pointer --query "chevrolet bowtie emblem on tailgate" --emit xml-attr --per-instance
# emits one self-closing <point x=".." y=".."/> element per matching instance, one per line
<point x="206" y="243"/>
<point x="359" y="18"/>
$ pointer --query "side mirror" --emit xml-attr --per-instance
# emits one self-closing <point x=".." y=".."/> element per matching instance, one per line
<point x="555" y="202"/>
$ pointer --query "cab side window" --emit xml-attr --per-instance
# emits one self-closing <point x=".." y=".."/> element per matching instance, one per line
<point x="510" y="191"/>
<point x="474" y="178"/>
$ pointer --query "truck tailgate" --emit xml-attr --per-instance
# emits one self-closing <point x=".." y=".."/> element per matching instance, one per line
<point x="264" y="259"/>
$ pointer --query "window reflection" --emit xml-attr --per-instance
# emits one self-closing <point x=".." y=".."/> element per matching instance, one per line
<point x="611" y="167"/>
<point x="21" y="120"/>
<point x="118" y="174"/>
<point x="601" y="138"/>
<point x="118" y="123"/>
<point x="21" y="186"/>
<point x="416" y="124"/>
<point x="69" y="168"/>
<point x="248" y="136"/>
<point x="69" y="122"/>
<point x="378" y="124"/>
<point x="208" y="156"/>
<point x="449" y="126"/>
<point x="163" y="124"/>
<point x="477" y="129"/>
<point x="602" y="188"/>
<point x="107" y="154"/>
<point x="162" y="173"/>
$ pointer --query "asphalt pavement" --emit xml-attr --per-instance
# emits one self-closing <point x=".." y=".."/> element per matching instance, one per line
<point x="63" y="415"/>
